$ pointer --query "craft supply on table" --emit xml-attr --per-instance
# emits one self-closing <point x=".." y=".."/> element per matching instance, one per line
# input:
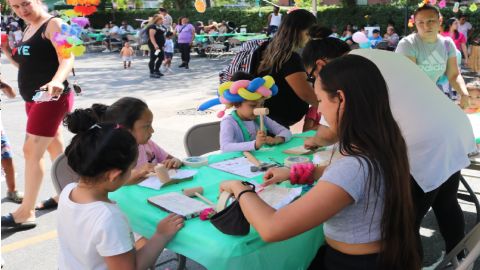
<point x="179" y="204"/>
<point x="239" y="166"/>
<point x="299" y="150"/>
<point x="320" y="160"/>
<point x="169" y="177"/>
<point x="195" y="162"/>
<point x="197" y="192"/>
<point x="289" y="161"/>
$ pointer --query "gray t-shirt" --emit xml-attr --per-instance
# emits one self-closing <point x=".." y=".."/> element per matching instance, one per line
<point x="356" y="223"/>
<point x="432" y="58"/>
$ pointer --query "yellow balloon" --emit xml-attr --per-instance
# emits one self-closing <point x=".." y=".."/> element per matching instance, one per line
<point x="269" y="81"/>
<point x="78" y="50"/>
<point x="473" y="7"/>
<point x="223" y="87"/>
<point x="200" y="6"/>
<point x="247" y="95"/>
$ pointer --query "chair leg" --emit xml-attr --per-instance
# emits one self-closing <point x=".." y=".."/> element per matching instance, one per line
<point x="470" y="198"/>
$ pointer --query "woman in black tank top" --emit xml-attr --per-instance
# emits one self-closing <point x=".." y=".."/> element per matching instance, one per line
<point x="39" y="68"/>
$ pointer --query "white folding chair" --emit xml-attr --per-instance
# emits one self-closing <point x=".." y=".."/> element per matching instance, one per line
<point x="471" y="244"/>
<point x="202" y="138"/>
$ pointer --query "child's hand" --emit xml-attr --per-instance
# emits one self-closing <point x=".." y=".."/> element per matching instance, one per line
<point x="261" y="139"/>
<point x="170" y="225"/>
<point x="142" y="172"/>
<point x="172" y="163"/>
<point x="275" y="140"/>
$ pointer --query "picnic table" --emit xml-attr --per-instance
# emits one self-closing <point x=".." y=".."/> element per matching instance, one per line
<point x="240" y="36"/>
<point x="202" y="242"/>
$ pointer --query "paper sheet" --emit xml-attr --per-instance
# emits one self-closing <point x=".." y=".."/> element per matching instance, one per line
<point x="153" y="182"/>
<point x="178" y="203"/>
<point x="277" y="196"/>
<point x="239" y="166"/>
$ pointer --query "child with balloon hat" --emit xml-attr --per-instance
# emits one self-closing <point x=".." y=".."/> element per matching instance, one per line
<point x="243" y="130"/>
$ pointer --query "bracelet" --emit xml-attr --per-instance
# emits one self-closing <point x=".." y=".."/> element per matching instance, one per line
<point x="243" y="192"/>
<point x="302" y="174"/>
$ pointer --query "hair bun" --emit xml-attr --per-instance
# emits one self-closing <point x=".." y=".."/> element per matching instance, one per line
<point x="80" y="120"/>
<point x="319" y="32"/>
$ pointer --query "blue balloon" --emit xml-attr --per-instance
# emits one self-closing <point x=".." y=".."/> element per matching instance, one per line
<point x="255" y="84"/>
<point x="274" y="89"/>
<point x="231" y="97"/>
<point x="208" y="104"/>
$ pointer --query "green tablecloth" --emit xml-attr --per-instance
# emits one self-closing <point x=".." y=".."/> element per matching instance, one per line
<point x="202" y="242"/>
<point x="240" y="36"/>
<point x="97" y="36"/>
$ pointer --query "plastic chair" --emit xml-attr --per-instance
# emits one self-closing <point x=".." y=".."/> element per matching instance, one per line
<point x="202" y="138"/>
<point x="470" y="243"/>
<point x="62" y="174"/>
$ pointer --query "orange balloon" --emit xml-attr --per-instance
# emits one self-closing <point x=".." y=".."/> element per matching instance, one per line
<point x="200" y="6"/>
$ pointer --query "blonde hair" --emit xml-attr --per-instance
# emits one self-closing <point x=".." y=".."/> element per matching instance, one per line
<point x="154" y="19"/>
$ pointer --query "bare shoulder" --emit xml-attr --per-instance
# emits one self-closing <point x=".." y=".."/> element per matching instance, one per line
<point x="54" y="25"/>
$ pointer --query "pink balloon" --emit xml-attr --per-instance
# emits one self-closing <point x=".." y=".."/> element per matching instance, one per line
<point x="360" y="37"/>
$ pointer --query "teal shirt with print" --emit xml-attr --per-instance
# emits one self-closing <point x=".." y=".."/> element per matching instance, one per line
<point x="432" y="58"/>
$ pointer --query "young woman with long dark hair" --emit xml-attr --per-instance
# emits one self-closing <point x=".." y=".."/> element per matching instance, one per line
<point x="420" y="110"/>
<point x="363" y="199"/>
<point x="450" y="29"/>
<point x="281" y="60"/>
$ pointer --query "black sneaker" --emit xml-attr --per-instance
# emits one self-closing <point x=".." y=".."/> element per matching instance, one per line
<point x="154" y="75"/>
<point x="186" y="66"/>
<point x="182" y="65"/>
<point x="159" y="73"/>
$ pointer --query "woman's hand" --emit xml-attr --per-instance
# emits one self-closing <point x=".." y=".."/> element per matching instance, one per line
<point x="172" y="163"/>
<point x="464" y="101"/>
<point x="310" y="143"/>
<point x="54" y="88"/>
<point x="275" y="175"/>
<point x="233" y="186"/>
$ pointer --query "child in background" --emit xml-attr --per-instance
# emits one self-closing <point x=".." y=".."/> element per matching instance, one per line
<point x="93" y="233"/>
<point x="7" y="160"/>
<point x="375" y="39"/>
<point x="134" y="115"/>
<point x="127" y="54"/>
<point x="240" y="131"/>
<point x="169" y="49"/>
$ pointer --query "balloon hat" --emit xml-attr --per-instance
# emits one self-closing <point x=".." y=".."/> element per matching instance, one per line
<point x="242" y="90"/>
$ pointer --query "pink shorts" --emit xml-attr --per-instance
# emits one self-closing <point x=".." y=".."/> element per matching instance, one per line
<point x="44" y="118"/>
<point x="313" y="114"/>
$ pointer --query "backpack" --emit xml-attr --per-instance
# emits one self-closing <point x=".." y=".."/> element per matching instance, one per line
<point x="246" y="59"/>
<point x="143" y="36"/>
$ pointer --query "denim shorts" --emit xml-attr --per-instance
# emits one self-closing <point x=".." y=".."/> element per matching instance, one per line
<point x="6" y="150"/>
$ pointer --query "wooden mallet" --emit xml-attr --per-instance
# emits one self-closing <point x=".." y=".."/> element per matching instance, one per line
<point x="197" y="192"/>
<point x="261" y="112"/>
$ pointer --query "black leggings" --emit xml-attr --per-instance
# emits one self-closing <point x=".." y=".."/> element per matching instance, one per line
<point x="444" y="203"/>
<point x="184" y="49"/>
<point x="328" y="258"/>
<point x="155" y="60"/>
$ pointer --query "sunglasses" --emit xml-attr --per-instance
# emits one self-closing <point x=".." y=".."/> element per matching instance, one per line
<point x="311" y="76"/>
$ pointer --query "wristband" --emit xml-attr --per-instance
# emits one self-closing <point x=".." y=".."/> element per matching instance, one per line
<point x="243" y="192"/>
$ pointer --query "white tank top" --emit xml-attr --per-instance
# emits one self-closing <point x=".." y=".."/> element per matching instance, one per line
<point x="276" y="19"/>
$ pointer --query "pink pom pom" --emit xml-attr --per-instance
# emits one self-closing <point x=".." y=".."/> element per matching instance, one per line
<point x="220" y="114"/>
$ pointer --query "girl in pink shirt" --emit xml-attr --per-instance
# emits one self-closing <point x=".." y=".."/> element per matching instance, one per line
<point x="450" y="29"/>
<point x="134" y="114"/>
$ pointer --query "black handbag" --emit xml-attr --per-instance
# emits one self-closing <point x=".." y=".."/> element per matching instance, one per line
<point x="231" y="220"/>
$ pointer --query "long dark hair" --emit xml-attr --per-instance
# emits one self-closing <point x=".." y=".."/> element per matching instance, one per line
<point x="287" y="39"/>
<point x="368" y="131"/>
<point x="448" y="23"/>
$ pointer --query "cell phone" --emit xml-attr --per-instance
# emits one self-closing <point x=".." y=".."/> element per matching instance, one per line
<point x="42" y="95"/>
<point x="157" y="52"/>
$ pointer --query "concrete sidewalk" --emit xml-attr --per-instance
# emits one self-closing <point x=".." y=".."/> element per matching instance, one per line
<point x="173" y="100"/>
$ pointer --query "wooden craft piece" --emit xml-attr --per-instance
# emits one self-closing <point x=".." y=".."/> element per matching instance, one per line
<point x="197" y="192"/>
<point x="261" y="112"/>
<point x="252" y="158"/>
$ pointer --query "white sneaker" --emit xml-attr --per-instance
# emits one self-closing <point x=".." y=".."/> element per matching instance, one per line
<point x="106" y="51"/>
<point x="170" y="71"/>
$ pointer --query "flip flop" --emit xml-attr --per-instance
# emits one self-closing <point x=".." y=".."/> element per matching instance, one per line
<point x="8" y="222"/>
<point x="49" y="203"/>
